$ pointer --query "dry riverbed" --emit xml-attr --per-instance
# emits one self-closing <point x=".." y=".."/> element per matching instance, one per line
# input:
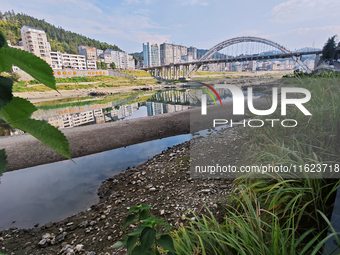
<point x="163" y="182"/>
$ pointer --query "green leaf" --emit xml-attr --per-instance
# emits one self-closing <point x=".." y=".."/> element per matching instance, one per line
<point x="47" y="134"/>
<point x="134" y="209"/>
<point x="17" y="113"/>
<point x="5" y="91"/>
<point x="167" y="243"/>
<point x="117" y="245"/>
<point x="17" y="109"/>
<point x="130" y="244"/>
<point x="3" y="161"/>
<point x="143" y="214"/>
<point x="138" y="231"/>
<point x="129" y="219"/>
<point x="137" y="250"/>
<point x="3" y="42"/>
<point x="31" y="64"/>
<point x="147" y="238"/>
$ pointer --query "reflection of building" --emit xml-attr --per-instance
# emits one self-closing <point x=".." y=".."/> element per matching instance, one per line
<point x="82" y="118"/>
<point x="160" y="108"/>
<point x="100" y="119"/>
<point x="56" y="121"/>
<point x="124" y="111"/>
<point x="174" y="96"/>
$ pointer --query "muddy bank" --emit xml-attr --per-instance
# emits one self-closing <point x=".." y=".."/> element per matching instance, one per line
<point x="163" y="182"/>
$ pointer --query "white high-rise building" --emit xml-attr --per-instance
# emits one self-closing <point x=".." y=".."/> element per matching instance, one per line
<point x="171" y="53"/>
<point x="34" y="40"/>
<point x="151" y="54"/>
<point x="121" y="59"/>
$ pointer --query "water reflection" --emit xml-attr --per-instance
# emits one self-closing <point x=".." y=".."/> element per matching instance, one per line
<point x="54" y="191"/>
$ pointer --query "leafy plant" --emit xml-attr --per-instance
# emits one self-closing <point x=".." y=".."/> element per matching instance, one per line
<point x="145" y="239"/>
<point x="16" y="111"/>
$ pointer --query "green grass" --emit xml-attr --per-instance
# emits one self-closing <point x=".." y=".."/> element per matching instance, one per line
<point x="106" y="82"/>
<point x="137" y="73"/>
<point x="273" y="215"/>
<point x="119" y="97"/>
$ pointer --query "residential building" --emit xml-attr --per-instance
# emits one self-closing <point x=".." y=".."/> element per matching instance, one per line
<point x="192" y="51"/>
<point x="64" y="60"/>
<point x="121" y="59"/>
<point x="107" y="58"/>
<point x="151" y="55"/>
<point x="89" y="52"/>
<point x="171" y="53"/>
<point x="91" y="64"/>
<point x="131" y="62"/>
<point x="98" y="52"/>
<point x="35" y="41"/>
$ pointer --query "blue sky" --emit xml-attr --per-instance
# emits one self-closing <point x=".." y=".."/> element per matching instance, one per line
<point x="200" y="23"/>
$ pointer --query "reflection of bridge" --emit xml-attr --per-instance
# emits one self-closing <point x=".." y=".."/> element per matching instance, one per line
<point x="188" y="69"/>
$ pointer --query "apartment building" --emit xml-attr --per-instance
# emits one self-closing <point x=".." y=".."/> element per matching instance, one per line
<point x="91" y="64"/>
<point x="34" y="40"/>
<point x="192" y="52"/>
<point x="98" y="52"/>
<point x="151" y="55"/>
<point x="106" y="57"/>
<point x="171" y="53"/>
<point x="63" y="60"/>
<point x="121" y="59"/>
<point x="89" y="52"/>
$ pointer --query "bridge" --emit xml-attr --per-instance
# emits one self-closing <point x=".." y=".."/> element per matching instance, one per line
<point x="186" y="70"/>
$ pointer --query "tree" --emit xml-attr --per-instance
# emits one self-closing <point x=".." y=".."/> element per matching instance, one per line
<point x="66" y="47"/>
<point x="103" y="65"/>
<point x="16" y="111"/>
<point x="113" y="65"/>
<point x="329" y="50"/>
<point x="15" y="76"/>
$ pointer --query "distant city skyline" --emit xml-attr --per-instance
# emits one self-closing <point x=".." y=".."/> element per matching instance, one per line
<point x="200" y="23"/>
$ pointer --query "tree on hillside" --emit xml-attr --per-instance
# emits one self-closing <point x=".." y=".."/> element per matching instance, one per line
<point x="10" y="24"/>
<point x="113" y="65"/>
<point x="329" y="50"/>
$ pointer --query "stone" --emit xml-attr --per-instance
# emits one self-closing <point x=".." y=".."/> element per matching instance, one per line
<point x="46" y="236"/>
<point x="79" y="247"/>
<point x="43" y="242"/>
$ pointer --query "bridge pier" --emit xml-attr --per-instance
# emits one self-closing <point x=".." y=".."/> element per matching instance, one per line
<point x="316" y="62"/>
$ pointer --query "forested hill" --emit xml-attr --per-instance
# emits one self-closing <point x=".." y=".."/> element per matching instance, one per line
<point x="64" y="41"/>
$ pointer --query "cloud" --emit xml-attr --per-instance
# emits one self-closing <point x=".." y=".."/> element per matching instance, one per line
<point x="304" y="10"/>
<point x="303" y="37"/>
<point x="137" y="1"/>
<point x="194" y="2"/>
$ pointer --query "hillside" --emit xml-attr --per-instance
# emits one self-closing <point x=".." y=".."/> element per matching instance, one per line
<point x="60" y="39"/>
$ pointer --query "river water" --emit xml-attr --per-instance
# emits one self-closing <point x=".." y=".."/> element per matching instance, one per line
<point x="55" y="191"/>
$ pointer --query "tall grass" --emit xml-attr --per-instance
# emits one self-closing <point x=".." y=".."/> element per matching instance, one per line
<point x="316" y="138"/>
<point x="274" y="215"/>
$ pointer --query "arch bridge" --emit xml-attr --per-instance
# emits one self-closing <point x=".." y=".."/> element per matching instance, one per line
<point x="188" y="69"/>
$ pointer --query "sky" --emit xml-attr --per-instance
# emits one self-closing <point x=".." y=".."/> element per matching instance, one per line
<point x="200" y="23"/>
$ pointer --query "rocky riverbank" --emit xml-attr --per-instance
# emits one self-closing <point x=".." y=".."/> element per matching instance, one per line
<point x="163" y="182"/>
